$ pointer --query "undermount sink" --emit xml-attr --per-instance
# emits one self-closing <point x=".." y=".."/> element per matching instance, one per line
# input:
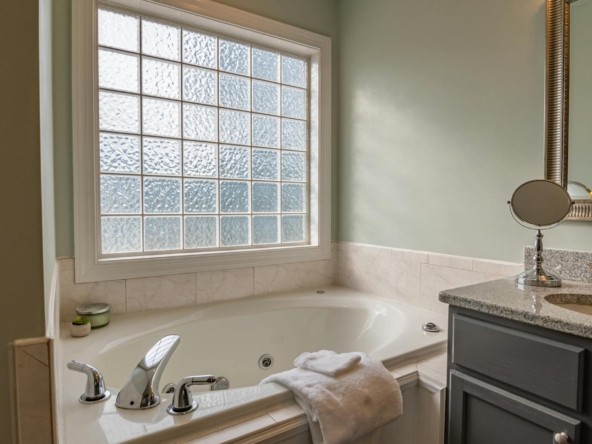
<point x="581" y="303"/>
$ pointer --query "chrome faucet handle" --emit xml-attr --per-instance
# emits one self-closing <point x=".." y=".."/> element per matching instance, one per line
<point x="169" y="388"/>
<point x="183" y="401"/>
<point x="141" y="389"/>
<point x="95" y="384"/>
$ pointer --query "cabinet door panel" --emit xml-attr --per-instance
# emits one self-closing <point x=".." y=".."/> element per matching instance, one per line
<point x="480" y="413"/>
<point x="546" y="368"/>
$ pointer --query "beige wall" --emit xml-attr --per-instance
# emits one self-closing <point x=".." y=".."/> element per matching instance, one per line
<point x="441" y="107"/>
<point x="21" y="278"/>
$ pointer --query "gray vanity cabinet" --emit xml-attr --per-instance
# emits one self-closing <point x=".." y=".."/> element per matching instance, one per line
<point x="481" y="413"/>
<point x="513" y="382"/>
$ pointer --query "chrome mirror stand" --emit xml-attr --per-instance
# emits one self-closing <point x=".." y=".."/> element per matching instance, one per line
<point x="537" y="276"/>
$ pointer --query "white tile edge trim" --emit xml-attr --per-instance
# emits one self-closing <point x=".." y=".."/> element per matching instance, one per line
<point x="53" y="307"/>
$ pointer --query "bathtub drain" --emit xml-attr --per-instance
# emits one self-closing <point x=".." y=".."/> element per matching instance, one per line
<point x="265" y="362"/>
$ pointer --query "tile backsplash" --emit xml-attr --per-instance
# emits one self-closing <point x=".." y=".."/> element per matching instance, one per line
<point x="412" y="277"/>
<point x="570" y="265"/>
<point x="152" y="293"/>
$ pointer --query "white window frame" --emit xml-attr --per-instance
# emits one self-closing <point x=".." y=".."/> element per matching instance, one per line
<point x="218" y="19"/>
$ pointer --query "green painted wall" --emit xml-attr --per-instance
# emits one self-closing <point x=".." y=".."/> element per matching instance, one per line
<point x="441" y="118"/>
<point x="320" y="16"/>
<point x="440" y="110"/>
<point x="62" y="127"/>
<point x="21" y="256"/>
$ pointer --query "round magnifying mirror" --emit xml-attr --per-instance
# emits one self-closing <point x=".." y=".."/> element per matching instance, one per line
<point x="540" y="205"/>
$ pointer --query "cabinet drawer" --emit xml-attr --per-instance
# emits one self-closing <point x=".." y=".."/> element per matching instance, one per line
<point x="546" y="368"/>
<point x="481" y="413"/>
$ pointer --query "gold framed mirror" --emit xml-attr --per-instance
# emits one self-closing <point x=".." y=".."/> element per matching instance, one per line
<point x="568" y="22"/>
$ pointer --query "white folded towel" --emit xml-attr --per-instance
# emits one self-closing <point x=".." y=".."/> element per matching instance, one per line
<point x="327" y="362"/>
<point x="346" y="407"/>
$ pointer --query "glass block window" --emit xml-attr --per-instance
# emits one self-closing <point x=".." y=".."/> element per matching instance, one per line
<point x="203" y="140"/>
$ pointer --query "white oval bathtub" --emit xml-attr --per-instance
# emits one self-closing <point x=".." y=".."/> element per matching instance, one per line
<point x="227" y="339"/>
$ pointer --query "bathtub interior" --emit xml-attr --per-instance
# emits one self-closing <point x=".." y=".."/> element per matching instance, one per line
<point x="231" y="346"/>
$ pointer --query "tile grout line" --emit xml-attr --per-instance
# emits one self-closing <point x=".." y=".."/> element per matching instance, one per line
<point x="420" y="281"/>
<point x="30" y="355"/>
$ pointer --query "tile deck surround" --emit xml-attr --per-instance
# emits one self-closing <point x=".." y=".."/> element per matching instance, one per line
<point x="432" y="368"/>
<point x="33" y="386"/>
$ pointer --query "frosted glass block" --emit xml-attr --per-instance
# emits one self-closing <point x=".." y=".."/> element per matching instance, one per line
<point x="235" y="92"/>
<point x="162" y="233"/>
<point x="199" y="49"/>
<point x="160" y="40"/>
<point x="161" y="156"/>
<point x="293" y="228"/>
<point x="120" y="195"/>
<point x="234" y="57"/>
<point x="200" y="85"/>
<point x="160" y="78"/>
<point x="162" y="195"/>
<point x="266" y="131"/>
<point x="200" y="122"/>
<point x="293" y="71"/>
<point x="266" y="230"/>
<point x="201" y="231"/>
<point x="266" y="65"/>
<point x="265" y="197"/>
<point x="293" y="166"/>
<point x="201" y="196"/>
<point x="121" y="234"/>
<point x="200" y="159"/>
<point x="161" y="117"/>
<point x="235" y="127"/>
<point x="293" y="134"/>
<point x="234" y="230"/>
<point x="234" y="197"/>
<point x="119" y="153"/>
<point x="266" y="164"/>
<point x="293" y="198"/>
<point x="266" y="97"/>
<point x="118" y="30"/>
<point x="118" y="70"/>
<point x="293" y="102"/>
<point x="119" y="112"/>
<point x="234" y="162"/>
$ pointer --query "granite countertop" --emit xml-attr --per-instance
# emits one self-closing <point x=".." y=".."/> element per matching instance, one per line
<point x="506" y="299"/>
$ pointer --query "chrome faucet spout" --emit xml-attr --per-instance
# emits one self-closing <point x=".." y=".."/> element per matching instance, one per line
<point x="141" y="390"/>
